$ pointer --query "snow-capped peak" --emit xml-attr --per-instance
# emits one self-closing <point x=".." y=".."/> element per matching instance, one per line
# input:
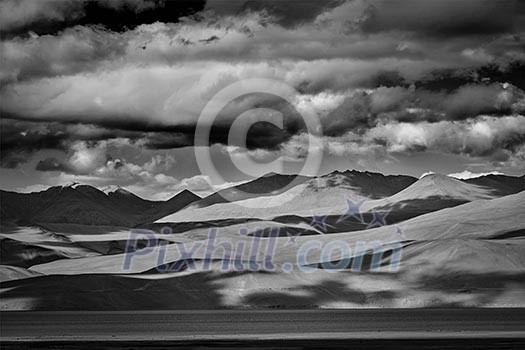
<point x="73" y="184"/>
<point x="114" y="189"/>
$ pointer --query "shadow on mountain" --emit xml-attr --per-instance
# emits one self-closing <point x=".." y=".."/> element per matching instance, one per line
<point x="368" y="184"/>
<point x="310" y="296"/>
<point x="511" y="234"/>
<point x="107" y="292"/>
<point x="205" y="290"/>
<point x="447" y="290"/>
<point x="408" y="209"/>
<point x="269" y="184"/>
<point x="499" y="185"/>
<point x="367" y="262"/>
<point x="395" y="213"/>
<point x="482" y="288"/>
<point x="86" y="205"/>
<point x="24" y="255"/>
<point x="181" y="227"/>
<point x="282" y="232"/>
<point x="118" y="246"/>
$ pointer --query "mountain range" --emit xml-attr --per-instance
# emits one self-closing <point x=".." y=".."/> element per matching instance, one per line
<point x="327" y="195"/>
<point x="87" y="205"/>
<point x="461" y="245"/>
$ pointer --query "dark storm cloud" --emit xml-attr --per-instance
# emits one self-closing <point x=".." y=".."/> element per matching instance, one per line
<point x="288" y="14"/>
<point x="387" y="78"/>
<point x="444" y="18"/>
<point x="472" y="100"/>
<point x="353" y="114"/>
<point x="20" y="139"/>
<point x="261" y="134"/>
<point x="52" y="16"/>
<point x="363" y="111"/>
<point x="357" y="113"/>
<point x="103" y="70"/>
<point x="52" y="164"/>
<point x="168" y="140"/>
<point x="452" y="79"/>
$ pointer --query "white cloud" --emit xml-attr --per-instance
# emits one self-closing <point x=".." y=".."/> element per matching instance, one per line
<point x="160" y="162"/>
<point x="476" y="137"/>
<point x="85" y="159"/>
<point x="32" y="188"/>
<point x="197" y="183"/>
<point x="467" y="174"/>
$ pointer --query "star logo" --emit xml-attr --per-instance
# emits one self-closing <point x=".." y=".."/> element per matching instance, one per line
<point x="399" y="232"/>
<point x="318" y="221"/>
<point x="291" y="239"/>
<point x="353" y="210"/>
<point x="378" y="219"/>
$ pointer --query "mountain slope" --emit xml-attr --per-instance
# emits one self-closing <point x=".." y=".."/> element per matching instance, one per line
<point x="174" y="204"/>
<point x="267" y="185"/>
<point x="327" y="195"/>
<point x="437" y="185"/>
<point x="479" y="220"/>
<point x="500" y="185"/>
<point x="435" y="191"/>
<point x="313" y="196"/>
<point x="368" y="184"/>
<point x="452" y="257"/>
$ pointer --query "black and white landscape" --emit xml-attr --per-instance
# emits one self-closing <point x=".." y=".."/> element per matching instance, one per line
<point x="461" y="245"/>
<point x="175" y="169"/>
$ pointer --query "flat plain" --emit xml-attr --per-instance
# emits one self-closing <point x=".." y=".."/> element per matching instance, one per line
<point x="367" y="328"/>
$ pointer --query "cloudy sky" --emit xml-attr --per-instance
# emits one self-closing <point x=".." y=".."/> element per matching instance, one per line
<point x="109" y="92"/>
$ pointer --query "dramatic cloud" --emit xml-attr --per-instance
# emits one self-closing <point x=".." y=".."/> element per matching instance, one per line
<point x="95" y="163"/>
<point x="50" y="16"/>
<point x="472" y="100"/>
<point x="500" y="139"/>
<point x="476" y="137"/>
<point x="444" y="18"/>
<point x="52" y="164"/>
<point x="101" y="90"/>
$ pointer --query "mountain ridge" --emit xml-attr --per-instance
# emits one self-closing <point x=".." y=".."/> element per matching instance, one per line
<point x="88" y="205"/>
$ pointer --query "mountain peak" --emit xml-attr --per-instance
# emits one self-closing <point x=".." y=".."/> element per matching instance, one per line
<point x="439" y="180"/>
<point x="188" y="192"/>
<point x="443" y="186"/>
<point x="121" y="190"/>
<point x="436" y="176"/>
<point x="185" y="193"/>
<point x="115" y="189"/>
<point x="270" y="174"/>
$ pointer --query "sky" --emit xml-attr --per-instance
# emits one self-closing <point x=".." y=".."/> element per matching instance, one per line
<point x="109" y="92"/>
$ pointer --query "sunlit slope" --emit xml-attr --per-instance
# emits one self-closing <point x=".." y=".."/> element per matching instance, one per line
<point x="470" y="255"/>
<point x="482" y="219"/>
<point x="317" y="195"/>
<point x="320" y="196"/>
